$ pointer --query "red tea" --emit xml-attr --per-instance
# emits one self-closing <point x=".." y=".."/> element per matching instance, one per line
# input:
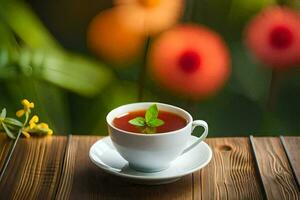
<point x="172" y="121"/>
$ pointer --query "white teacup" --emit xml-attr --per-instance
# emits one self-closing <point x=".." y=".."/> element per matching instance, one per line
<point x="153" y="152"/>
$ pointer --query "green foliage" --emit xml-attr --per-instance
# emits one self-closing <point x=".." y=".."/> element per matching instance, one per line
<point x="9" y="125"/>
<point x="19" y="17"/>
<point x="244" y="70"/>
<point x="39" y="55"/>
<point x="34" y="66"/>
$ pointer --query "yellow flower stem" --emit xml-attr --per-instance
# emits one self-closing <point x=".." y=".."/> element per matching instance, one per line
<point x="10" y="154"/>
<point x="26" y="119"/>
<point x="25" y="122"/>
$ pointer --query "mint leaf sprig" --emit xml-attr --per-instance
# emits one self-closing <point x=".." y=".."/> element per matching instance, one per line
<point x="150" y="122"/>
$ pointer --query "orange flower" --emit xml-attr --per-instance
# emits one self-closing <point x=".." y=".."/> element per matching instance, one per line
<point x="110" y="39"/>
<point x="274" y="37"/>
<point x="190" y="60"/>
<point x="150" y="16"/>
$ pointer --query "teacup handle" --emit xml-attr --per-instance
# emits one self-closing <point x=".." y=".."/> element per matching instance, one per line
<point x="201" y="138"/>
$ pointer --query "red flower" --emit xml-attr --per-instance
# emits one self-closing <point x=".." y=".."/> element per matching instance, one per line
<point x="190" y="60"/>
<point x="274" y="37"/>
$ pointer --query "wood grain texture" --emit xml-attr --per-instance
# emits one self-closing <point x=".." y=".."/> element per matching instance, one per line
<point x="197" y="195"/>
<point x="277" y="177"/>
<point x="293" y="147"/>
<point x="5" y="145"/>
<point x="231" y="173"/>
<point x="34" y="169"/>
<point x="83" y="180"/>
<point x="59" y="168"/>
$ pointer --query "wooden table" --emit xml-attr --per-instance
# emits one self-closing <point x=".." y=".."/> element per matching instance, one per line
<point x="242" y="168"/>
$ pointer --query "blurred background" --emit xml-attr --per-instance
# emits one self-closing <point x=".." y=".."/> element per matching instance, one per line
<point x="232" y="63"/>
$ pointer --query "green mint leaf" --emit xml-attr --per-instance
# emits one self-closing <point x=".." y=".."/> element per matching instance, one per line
<point x="12" y="128"/>
<point x="151" y="113"/>
<point x="149" y="130"/>
<point x="13" y="121"/>
<point x="155" y="123"/>
<point x="138" y="121"/>
<point x="8" y="132"/>
<point x="3" y="113"/>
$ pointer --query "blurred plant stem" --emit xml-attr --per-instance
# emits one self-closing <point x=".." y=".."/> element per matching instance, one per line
<point x="10" y="155"/>
<point x="189" y="10"/>
<point x="188" y="17"/>
<point x="143" y="72"/>
<point x="273" y="90"/>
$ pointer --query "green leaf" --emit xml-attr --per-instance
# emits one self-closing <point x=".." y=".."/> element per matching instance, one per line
<point x="13" y="121"/>
<point x="245" y="71"/>
<point x="3" y="113"/>
<point x="151" y="113"/>
<point x="19" y="16"/>
<point x="8" y="132"/>
<point x="155" y="123"/>
<point x="74" y="72"/>
<point x="138" y="121"/>
<point x="12" y="128"/>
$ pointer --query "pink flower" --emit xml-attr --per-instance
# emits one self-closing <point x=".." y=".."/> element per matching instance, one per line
<point x="190" y="60"/>
<point x="273" y="36"/>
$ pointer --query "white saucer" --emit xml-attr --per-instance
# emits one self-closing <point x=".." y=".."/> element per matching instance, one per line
<point x="104" y="155"/>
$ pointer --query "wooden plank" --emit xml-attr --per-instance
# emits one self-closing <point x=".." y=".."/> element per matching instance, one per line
<point x="231" y="173"/>
<point x="274" y="168"/>
<point x="197" y="185"/>
<point x="83" y="180"/>
<point x="34" y="169"/>
<point x="293" y="148"/>
<point x="5" y="145"/>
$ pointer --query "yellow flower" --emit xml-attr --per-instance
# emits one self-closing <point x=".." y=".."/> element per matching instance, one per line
<point x="20" y="113"/>
<point x="50" y="132"/>
<point x="45" y="128"/>
<point x="26" y="108"/>
<point x="26" y="134"/>
<point x="40" y="129"/>
<point x="44" y="125"/>
<point x="33" y="121"/>
<point x="33" y="128"/>
<point x="27" y="105"/>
